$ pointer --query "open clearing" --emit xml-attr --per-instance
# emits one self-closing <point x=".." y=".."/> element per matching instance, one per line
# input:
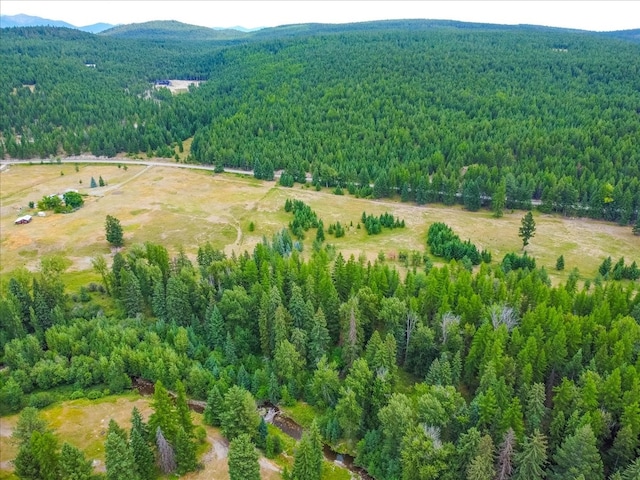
<point x="84" y="423"/>
<point x="182" y="208"/>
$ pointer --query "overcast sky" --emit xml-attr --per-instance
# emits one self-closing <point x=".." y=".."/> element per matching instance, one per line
<point x="586" y="15"/>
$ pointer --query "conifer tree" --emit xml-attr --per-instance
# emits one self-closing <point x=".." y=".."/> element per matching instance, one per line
<point x="185" y="450"/>
<point x="243" y="459"/>
<point x="73" y="464"/>
<point x="531" y="458"/>
<point x="182" y="410"/>
<point x="163" y="416"/>
<point x="142" y="455"/>
<point x="261" y="437"/>
<point x="119" y="460"/>
<point x="114" y="231"/>
<point x="527" y="228"/>
<point x="239" y="413"/>
<point x="307" y="461"/>
<point x="482" y="466"/>
<point x="578" y="455"/>
<point x="499" y="199"/>
<point x="215" y="329"/>
<point x="211" y="414"/>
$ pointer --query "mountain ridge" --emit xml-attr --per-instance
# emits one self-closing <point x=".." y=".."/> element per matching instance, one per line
<point x="175" y="30"/>
<point x="23" y="20"/>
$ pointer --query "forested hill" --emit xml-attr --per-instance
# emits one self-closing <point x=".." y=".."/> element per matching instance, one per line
<point x="171" y="30"/>
<point x="406" y="105"/>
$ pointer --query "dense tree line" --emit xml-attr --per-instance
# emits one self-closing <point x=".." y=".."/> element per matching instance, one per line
<point x="444" y="373"/>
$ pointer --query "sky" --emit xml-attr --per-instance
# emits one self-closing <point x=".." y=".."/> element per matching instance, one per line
<point x="585" y="15"/>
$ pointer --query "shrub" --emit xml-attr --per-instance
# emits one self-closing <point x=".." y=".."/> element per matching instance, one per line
<point x="41" y="399"/>
<point x="94" y="394"/>
<point x="76" y="395"/>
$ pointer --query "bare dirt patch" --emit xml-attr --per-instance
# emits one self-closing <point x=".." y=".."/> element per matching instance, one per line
<point x="180" y="86"/>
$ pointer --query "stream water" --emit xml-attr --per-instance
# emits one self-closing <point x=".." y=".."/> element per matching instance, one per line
<point x="273" y="415"/>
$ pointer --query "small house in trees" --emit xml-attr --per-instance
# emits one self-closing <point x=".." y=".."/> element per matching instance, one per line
<point x="22" y="220"/>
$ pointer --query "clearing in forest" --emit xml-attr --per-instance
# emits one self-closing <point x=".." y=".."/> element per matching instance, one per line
<point x="183" y="209"/>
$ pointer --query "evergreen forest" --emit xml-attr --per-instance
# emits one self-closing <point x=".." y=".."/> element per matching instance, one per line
<point x="438" y="111"/>
<point x="465" y="368"/>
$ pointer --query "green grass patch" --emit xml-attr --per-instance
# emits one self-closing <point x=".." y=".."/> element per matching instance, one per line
<point x="28" y="253"/>
<point x="138" y="211"/>
<point x="331" y="471"/>
<point x="302" y="413"/>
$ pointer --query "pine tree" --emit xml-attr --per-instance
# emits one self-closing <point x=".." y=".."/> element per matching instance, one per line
<point x="239" y="413"/>
<point x="211" y="414"/>
<point x="93" y="183"/>
<point x="481" y="466"/>
<point x="130" y="293"/>
<point x="215" y="330"/>
<point x="164" y="416"/>
<point x="186" y="460"/>
<point x="137" y="423"/>
<point x="243" y="459"/>
<point x="182" y="410"/>
<point x="578" y="455"/>
<point x="530" y="461"/>
<point x="101" y="181"/>
<point x="560" y="263"/>
<point x="261" y="438"/>
<point x="119" y="460"/>
<point x="307" y="461"/>
<point x="636" y="226"/>
<point x="142" y="455"/>
<point x="527" y="229"/>
<point x="114" y="231"/>
<point x="535" y="407"/>
<point x="29" y="421"/>
<point x="73" y="464"/>
<point x="499" y="199"/>
<point x="632" y="472"/>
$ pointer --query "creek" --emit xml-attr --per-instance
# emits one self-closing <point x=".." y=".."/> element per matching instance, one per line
<point x="271" y="414"/>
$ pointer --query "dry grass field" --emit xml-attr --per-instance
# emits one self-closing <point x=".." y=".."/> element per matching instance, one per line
<point x="185" y="208"/>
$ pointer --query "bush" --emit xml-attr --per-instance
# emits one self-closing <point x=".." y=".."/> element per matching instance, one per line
<point x="94" y="394"/>
<point x="560" y="263"/>
<point x="76" y="395"/>
<point x="41" y="399"/>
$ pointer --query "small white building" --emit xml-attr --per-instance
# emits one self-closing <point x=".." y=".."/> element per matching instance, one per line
<point x="22" y="220"/>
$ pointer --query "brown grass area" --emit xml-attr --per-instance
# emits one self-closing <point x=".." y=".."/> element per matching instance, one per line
<point x="185" y="208"/>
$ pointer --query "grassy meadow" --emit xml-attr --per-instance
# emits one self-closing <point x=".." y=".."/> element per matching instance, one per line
<point x="182" y="209"/>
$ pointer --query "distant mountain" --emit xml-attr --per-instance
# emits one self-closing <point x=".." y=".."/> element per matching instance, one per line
<point x="172" y="30"/>
<point x="22" y="20"/>
<point x="96" y="27"/>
